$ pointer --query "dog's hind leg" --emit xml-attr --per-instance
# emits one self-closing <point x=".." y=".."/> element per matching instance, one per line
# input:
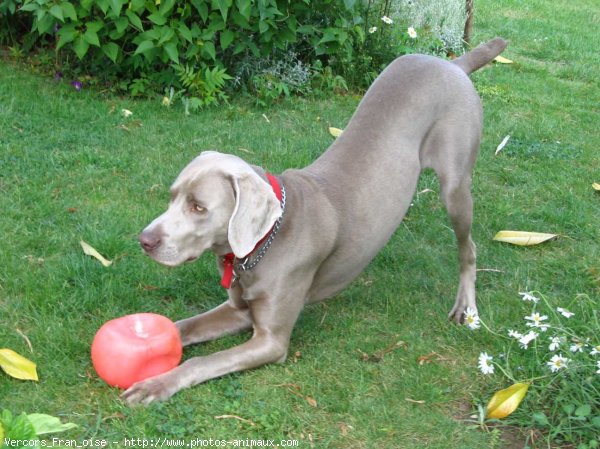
<point x="456" y="194"/>
<point x="452" y="157"/>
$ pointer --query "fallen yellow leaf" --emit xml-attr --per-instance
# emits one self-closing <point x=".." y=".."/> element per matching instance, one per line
<point x="596" y="186"/>
<point x="506" y="401"/>
<point x="91" y="251"/>
<point x="523" y="238"/>
<point x="502" y="60"/>
<point x="335" y="132"/>
<point x="17" y="366"/>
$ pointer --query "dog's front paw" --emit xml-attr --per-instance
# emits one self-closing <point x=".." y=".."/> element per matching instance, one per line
<point x="154" y="389"/>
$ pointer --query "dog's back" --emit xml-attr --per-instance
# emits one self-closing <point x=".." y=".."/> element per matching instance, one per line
<point x="421" y="112"/>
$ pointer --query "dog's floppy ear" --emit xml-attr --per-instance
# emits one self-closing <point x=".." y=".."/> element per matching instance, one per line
<point x="256" y="210"/>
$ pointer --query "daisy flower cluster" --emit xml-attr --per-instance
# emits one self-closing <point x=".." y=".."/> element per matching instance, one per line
<point x="411" y="32"/>
<point x="555" y="350"/>
<point x="557" y="347"/>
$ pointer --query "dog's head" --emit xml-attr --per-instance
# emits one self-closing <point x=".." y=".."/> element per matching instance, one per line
<point x="218" y="202"/>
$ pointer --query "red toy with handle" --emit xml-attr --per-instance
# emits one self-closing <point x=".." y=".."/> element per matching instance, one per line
<point x="135" y="347"/>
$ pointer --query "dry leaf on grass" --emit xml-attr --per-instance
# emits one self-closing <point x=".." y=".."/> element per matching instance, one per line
<point x="506" y="401"/>
<point x="295" y="390"/>
<point x="423" y="359"/>
<point x="91" y="251"/>
<point x="344" y="428"/>
<point x="523" y="238"/>
<point x="17" y="366"/>
<point x="377" y="356"/>
<point x="311" y="401"/>
<point x="502" y="60"/>
<point x="501" y="145"/>
<point x="26" y="338"/>
<point x="239" y="418"/>
<point x="335" y="132"/>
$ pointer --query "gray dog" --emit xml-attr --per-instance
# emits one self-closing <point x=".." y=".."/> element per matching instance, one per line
<point x="283" y="242"/>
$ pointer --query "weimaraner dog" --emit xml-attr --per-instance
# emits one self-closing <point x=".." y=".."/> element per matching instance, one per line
<point x="283" y="242"/>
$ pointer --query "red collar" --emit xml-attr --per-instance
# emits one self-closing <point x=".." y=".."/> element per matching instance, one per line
<point x="229" y="259"/>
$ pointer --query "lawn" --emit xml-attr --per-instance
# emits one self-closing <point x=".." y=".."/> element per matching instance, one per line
<point x="72" y="167"/>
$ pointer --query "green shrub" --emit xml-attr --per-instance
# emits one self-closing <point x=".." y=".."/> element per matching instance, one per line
<point x="272" y="48"/>
<point x="12" y="25"/>
<point x="142" y="38"/>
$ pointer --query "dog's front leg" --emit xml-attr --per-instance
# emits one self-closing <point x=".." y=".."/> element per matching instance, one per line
<point x="231" y="317"/>
<point x="273" y="323"/>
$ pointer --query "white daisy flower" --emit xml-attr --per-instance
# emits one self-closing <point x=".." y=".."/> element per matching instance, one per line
<point x="471" y="318"/>
<point x="527" y="338"/>
<point x="126" y="113"/>
<point x="577" y="346"/>
<point x="557" y="362"/>
<point x="595" y="350"/>
<point x="598" y="365"/>
<point x="412" y="33"/>
<point x="555" y="342"/>
<point x="372" y="30"/>
<point x="565" y="312"/>
<point x="526" y="296"/>
<point x="387" y="20"/>
<point x="515" y="334"/>
<point x="536" y="321"/>
<point x="485" y="363"/>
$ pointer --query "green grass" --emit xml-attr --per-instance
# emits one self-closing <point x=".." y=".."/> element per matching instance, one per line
<point x="68" y="171"/>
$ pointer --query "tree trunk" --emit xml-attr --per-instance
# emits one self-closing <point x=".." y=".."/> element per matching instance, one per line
<point x="468" y="22"/>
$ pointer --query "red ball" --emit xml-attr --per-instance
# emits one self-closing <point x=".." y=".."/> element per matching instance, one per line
<point x="134" y="347"/>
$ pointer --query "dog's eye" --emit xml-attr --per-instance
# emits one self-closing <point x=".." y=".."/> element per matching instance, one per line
<point x="198" y="209"/>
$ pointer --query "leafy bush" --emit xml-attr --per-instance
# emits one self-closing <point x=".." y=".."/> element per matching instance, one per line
<point x="149" y="39"/>
<point x="12" y="26"/>
<point x="273" y="48"/>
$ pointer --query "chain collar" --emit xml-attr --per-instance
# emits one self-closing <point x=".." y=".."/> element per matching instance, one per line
<point x="251" y="260"/>
<point x="232" y="266"/>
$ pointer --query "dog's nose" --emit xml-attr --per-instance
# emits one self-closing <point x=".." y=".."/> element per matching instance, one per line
<point x="149" y="240"/>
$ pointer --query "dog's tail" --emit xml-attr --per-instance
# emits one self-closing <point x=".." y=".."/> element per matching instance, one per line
<point x="481" y="55"/>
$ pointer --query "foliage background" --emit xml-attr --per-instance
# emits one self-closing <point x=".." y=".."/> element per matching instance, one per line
<point x="197" y="46"/>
